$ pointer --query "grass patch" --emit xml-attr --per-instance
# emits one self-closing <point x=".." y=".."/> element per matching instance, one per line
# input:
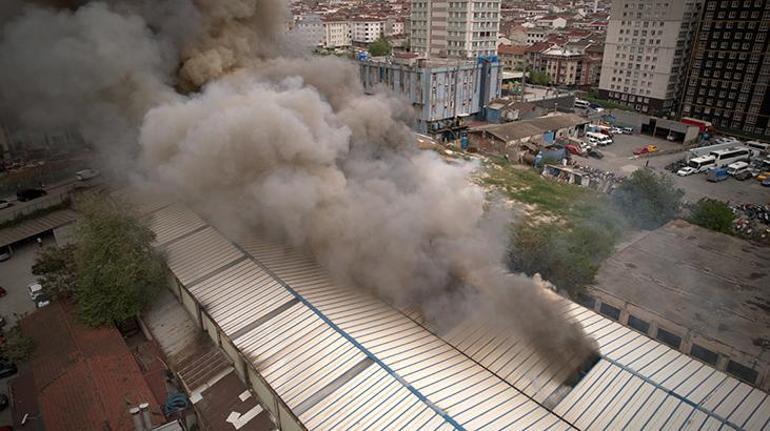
<point x="551" y="198"/>
<point x="568" y="253"/>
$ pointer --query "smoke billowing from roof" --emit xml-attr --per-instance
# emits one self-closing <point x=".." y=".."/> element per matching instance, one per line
<point x="288" y="145"/>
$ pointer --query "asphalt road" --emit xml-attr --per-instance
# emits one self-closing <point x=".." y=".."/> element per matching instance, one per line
<point x="619" y="158"/>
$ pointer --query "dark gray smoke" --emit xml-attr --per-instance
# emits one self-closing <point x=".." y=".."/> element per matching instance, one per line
<point x="291" y="146"/>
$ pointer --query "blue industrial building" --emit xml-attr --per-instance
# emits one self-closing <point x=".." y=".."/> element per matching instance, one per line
<point x="444" y="92"/>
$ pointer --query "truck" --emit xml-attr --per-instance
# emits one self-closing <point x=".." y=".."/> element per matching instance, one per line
<point x="704" y="126"/>
<point x="717" y="174"/>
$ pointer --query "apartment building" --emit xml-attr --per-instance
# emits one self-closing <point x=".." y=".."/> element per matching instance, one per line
<point x="336" y="33"/>
<point x="365" y="30"/>
<point x="513" y="57"/>
<point x="311" y="29"/>
<point x="464" y="28"/>
<point x="647" y="52"/>
<point x="730" y="72"/>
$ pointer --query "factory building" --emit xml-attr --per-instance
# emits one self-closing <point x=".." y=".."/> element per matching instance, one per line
<point x="319" y="355"/>
<point x="443" y="92"/>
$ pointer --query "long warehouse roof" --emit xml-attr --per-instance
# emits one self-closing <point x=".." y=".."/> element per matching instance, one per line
<point x="341" y="358"/>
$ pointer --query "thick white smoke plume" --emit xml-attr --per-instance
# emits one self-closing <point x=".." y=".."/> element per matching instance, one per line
<point x="291" y="146"/>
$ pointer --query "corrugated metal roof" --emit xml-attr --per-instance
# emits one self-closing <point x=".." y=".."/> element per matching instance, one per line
<point x="200" y="254"/>
<point x="36" y="226"/>
<point x="173" y="221"/>
<point x="469" y="393"/>
<point x="312" y="340"/>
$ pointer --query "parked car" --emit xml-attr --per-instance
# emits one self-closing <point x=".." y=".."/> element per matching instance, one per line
<point x="763" y="176"/>
<point x="42" y="300"/>
<point x="2" y="292"/>
<point x="622" y="130"/>
<point x="5" y="204"/>
<point x="743" y="175"/>
<point x="2" y="321"/>
<point x="5" y="254"/>
<point x="766" y="182"/>
<point x="593" y="152"/>
<point x="685" y="171"/>
<point x="7" y="368"/>
<point x="25" y="195"/>
<point x="574" y="149"/>
<point x="86" y="174"/>
<point x="647" y="149"/>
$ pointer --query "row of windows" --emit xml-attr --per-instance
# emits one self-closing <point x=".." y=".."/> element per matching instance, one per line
<point x="674" y="341"/>
<point x="713" y="4"/>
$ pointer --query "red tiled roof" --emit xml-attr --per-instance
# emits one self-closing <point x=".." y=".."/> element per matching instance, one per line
<point x="539" y="46"/>
<point x="86" y="378"/>
<point x="512" y="49"/>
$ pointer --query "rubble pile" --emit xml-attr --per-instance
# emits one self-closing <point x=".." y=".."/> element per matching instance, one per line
<point x="605" y="181"/>
<point x="752" y="221"/>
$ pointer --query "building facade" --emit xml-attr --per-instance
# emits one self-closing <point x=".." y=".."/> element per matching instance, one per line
<point x="730" y="72"/>
<point x="461" y="29"/>
<point x="442" y="92"/>
<point x="647" y="52"/>
<point x="513" y="57"/>
<point x="366" y="30"/>
<point x="336" y="34"/>
<point x="311" y="29"/>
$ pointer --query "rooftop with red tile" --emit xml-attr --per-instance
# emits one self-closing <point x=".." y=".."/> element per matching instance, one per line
<point x="86" y="378"/>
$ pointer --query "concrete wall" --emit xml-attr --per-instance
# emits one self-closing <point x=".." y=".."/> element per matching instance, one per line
<point x="689" y="338"/>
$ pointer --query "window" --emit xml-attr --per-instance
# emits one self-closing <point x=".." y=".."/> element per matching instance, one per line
<point x="610" y="311"/>
<point x="669" y="338"/>
<point x="742" y="372"/>
<point x="704" y="354"/>
<point x="638" y="324"/>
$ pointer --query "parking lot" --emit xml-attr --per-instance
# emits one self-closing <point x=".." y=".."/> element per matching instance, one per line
<point x="15" y="275"/>
<point x="619" y="158"/>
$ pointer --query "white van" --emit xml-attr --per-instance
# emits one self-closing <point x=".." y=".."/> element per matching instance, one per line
<point x="34" y="290"/>
<point x="736" y="168"/>
<point x="580" y="103"/>
<point x="598" y="139"/>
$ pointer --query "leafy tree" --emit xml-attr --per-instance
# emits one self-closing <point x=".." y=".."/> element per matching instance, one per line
<point x="379" y="47"/>
<point x="539" y="78"/>
<point x="568" y="258"/>
<point x="648" y="200"/>
<point x="55" y="268"/>
<point x="712" y="214"/>
<point x="17" y="346"/>
<point x="118" y="271"/>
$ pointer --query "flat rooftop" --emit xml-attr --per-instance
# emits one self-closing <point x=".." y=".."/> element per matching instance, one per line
<point x="713" y="284"/>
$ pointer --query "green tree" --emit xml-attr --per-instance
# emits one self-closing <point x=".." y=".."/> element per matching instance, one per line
<point x="648" y="200"/>
<point x="55" y="268"/>
<point x="17" y="346"/>
<point x="118" y="270"/>
<point x="568" y="258"/>
<point x="712" y="214"/>
<point x="379" y="47"/>
<point x="539" y="78"/>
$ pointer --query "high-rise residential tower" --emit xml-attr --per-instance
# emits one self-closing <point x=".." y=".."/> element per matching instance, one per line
<point x="730" y="72"/>
<point x="462" y="28"/>
<point x="647" y="53"/>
